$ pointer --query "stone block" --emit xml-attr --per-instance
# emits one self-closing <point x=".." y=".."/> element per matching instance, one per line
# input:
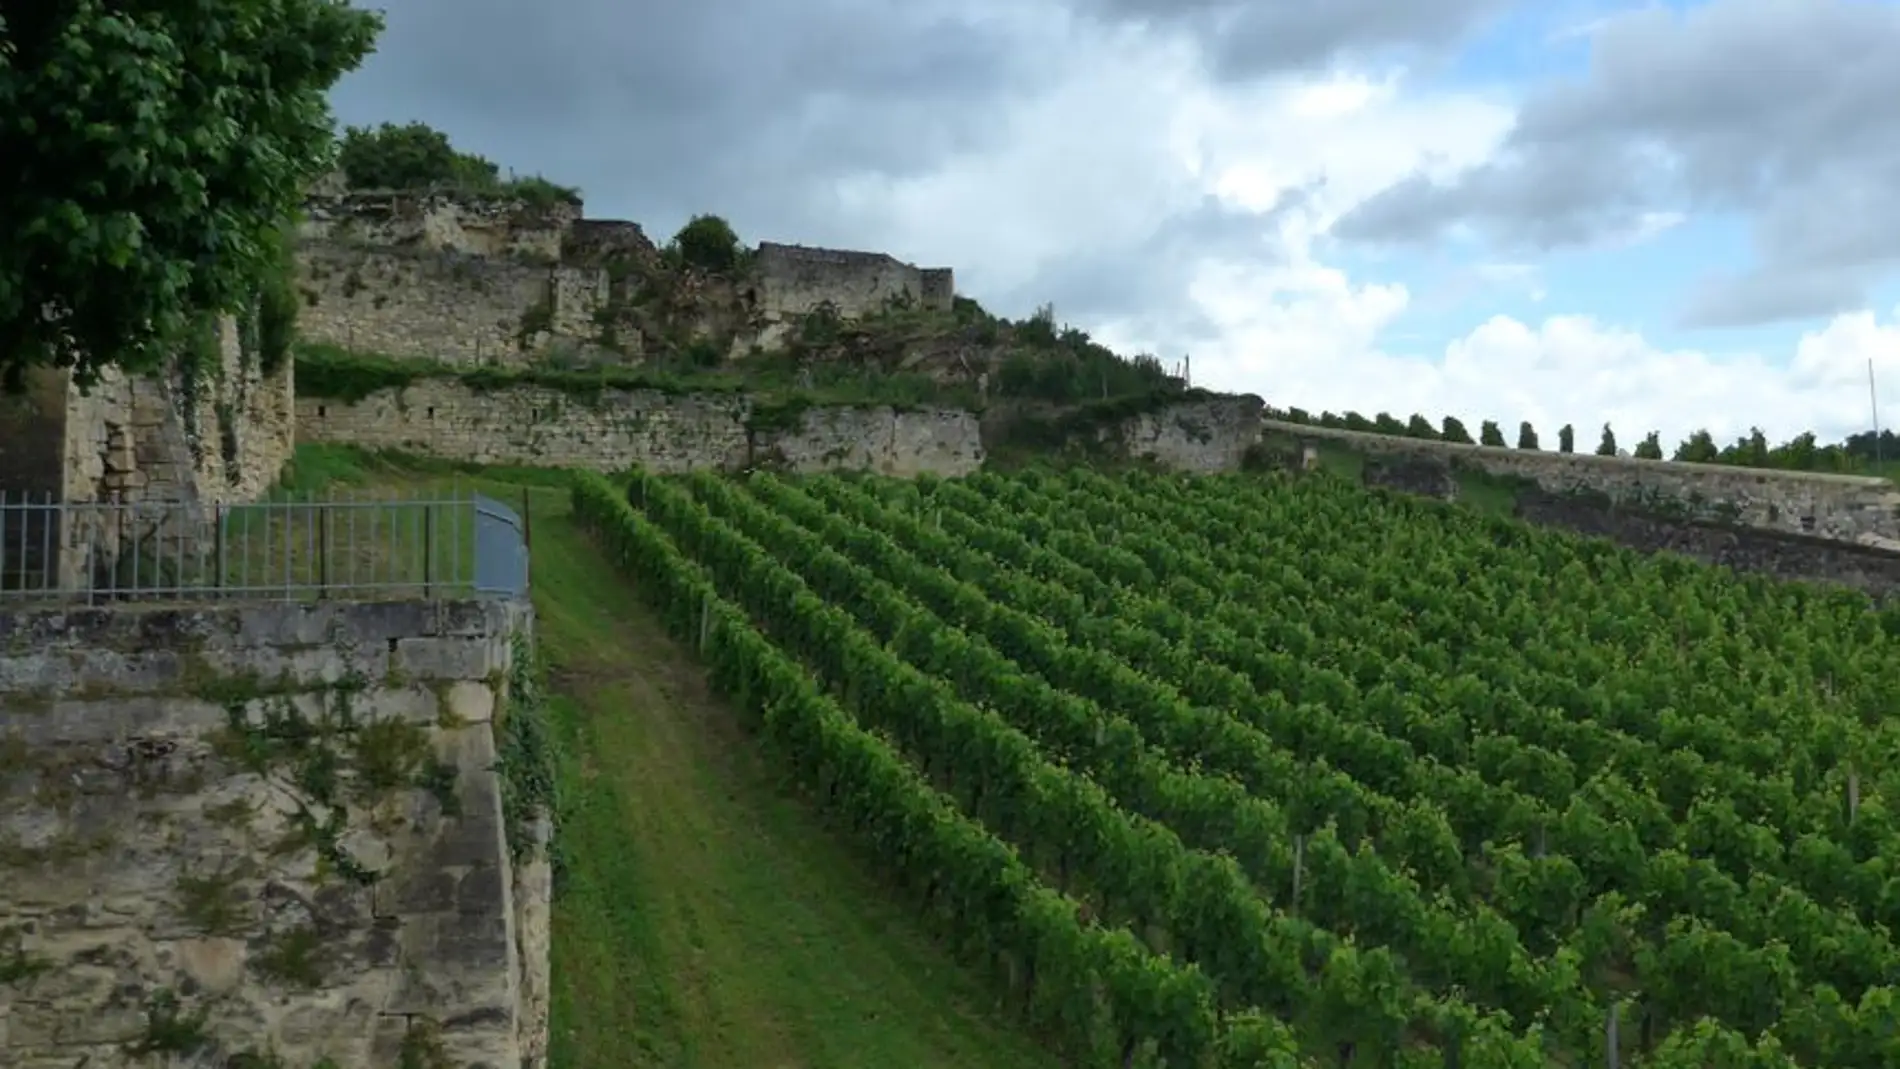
<point x="469" y="703"/>
<point x="121" y="800"/>
<point x="441" y="658"/>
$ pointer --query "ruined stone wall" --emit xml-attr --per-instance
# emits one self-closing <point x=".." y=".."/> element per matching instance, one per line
<point x="210" y="438"/>
<point x="794" y="280"/>
<point x="1198" y="436"/>
<point x="649" y="429"/>
<point x="1838" y="507"/>
<point x="164" y="446"/>
<point x="496" y="282"/>
<point x="276" y="830"/>
<point x="494" y="227"/>
<point x="443" y="304"/>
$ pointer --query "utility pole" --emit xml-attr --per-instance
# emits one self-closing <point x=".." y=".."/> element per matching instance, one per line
<point x="1873" y="404"/>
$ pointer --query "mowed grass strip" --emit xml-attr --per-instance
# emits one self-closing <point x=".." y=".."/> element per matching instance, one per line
<point x="706" y="918"/>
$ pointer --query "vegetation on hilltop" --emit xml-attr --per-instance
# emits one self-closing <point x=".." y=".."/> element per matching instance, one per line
<point x="415" y="156"/>
<point x="1863" y="453"/>
<point x="154" y="153"/>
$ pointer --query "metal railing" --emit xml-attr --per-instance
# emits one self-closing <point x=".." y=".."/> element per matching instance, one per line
<point x="452" y="544"/>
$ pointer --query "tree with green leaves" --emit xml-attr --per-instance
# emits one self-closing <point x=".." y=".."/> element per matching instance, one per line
<point x="1650" y="448"/>
<point x="710" y="244"/>
<point x="1489" y="433"/>
<point x="155" y="152"/>
<point x="410" y="156"/>
<point x="417" y="156"/>
<point x="1607" y="447"/>
<point x="1566" y="439"/>
<point x="1698" y="448"/>
<point x="1420" y="427"/>
<point x="1526" y="435"/>
<point x="1453" y="430"/>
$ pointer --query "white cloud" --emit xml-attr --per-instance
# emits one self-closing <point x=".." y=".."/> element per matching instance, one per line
<point x="1133" y="134"/>
<point x="1568" y="369"/>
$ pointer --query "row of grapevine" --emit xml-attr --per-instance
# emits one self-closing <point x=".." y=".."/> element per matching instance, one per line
<point x="1059" y="657"/>
<point x="1127" y="869"/>
<point x="1385" y="918"/>
<point x="1195" y="904"/>
<point x="1083" y="735"/>
<point x="848" y="589"/>
<point x="1108" y="1000"/>
<point x="1347" y="890"/>
<point x="1803" y="829"/>
<point x="1759" y="985"/>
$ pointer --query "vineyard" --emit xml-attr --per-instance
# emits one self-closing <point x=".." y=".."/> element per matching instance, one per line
<point x="1233" y="772"/>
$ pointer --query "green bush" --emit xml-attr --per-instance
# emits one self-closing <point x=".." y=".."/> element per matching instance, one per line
<point x="416" y="156"/>
<point x="708" y="243"/>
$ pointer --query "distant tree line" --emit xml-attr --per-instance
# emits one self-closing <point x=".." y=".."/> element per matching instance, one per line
<point x="1858" y="453"/>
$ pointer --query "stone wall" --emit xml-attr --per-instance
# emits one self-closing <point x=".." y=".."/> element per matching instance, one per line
<point x="794" y="280"/>
<point x="166" y="446"/>
<point x="444" y="304"/>
<point x="497" y="282"/>
<point x="276" y="830"/>
<point x="491" y="227"/>
<point x="1199" y="436"/>
<point x="1774" y="553"/>
<point x="1841" y="508"/>
<point x="657" y="431"/>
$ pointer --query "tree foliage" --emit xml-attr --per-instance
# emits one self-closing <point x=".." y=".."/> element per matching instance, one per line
<point x="1489" y="433"/>
<point x="1606" y="446"/>
<point x="1566" y="439"/>
<point x="709" y="243"/>
<point x="1526" y="435"/>
<point x="416" y="156"/>
<point x="154" y="150"/>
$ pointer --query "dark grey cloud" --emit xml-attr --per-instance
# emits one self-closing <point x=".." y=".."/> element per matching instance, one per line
<point x="750" y="108"/>
<point x="1248" y="38"/>
<point x="1781" y="109"/>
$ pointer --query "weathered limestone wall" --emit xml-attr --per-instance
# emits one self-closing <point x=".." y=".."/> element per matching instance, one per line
<point x="496" y="282"/>
<point x="648" y="429"/>
<point x="1198" y="436"/>
<point x="266" y="829"/>
<point x="214" y="439"/>
<point x="794" y="280"/>
<point x="180" y="441"/>
<point x="444" y="304"/>
<point x="1839" y="507"/>
<point x="440" y="221"/>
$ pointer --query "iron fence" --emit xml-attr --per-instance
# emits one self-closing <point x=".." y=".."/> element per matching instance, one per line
<point x="452" y="544"/>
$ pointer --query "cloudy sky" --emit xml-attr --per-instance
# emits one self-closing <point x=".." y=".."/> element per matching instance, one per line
<point x="1663" y="215"/>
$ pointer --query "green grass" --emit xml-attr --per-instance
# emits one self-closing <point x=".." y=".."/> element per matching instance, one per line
<point x="706" y="917"/>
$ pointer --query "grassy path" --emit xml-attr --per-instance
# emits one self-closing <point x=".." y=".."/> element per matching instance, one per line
<point x="707" y="919"/>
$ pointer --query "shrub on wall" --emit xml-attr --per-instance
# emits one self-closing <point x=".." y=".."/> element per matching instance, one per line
<point x="709" y="243"/>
